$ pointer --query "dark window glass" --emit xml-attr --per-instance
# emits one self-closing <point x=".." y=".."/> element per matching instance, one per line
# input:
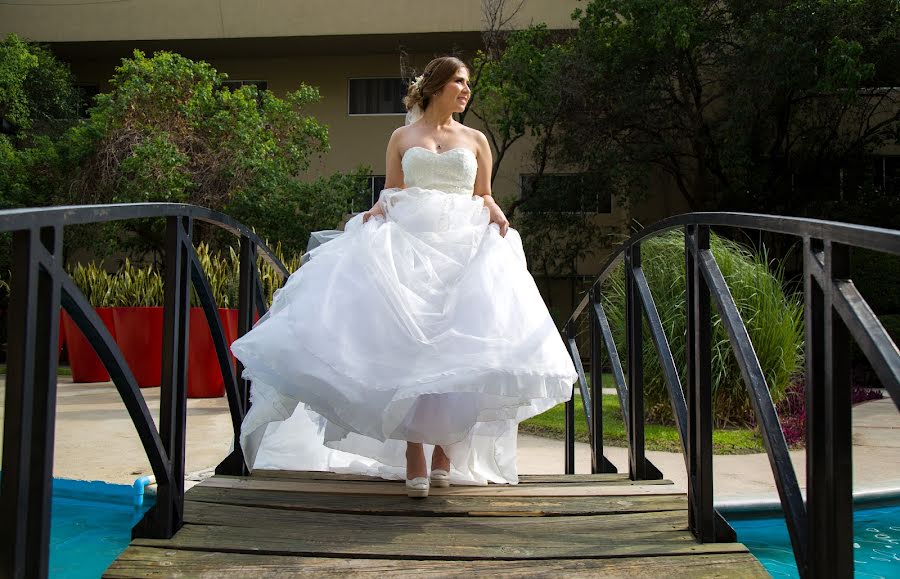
<point x="376" y="96"/>
<point x="560" y="192"/>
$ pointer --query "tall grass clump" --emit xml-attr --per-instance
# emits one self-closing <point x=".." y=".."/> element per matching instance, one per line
<point x="774" y="321"/>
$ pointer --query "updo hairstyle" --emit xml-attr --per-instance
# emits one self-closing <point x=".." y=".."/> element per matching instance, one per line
<point x="438" y="73"/>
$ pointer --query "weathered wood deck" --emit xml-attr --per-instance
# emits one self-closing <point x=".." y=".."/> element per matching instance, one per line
<point x="294" y="523"/>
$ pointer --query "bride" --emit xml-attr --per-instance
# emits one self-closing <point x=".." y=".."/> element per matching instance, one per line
<point x="417" y="338"/>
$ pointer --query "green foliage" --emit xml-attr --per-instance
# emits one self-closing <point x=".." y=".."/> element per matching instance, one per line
<point x="16" y="63"/>
<point x="137" y="286"/>
<point x="658" y="437"/>
<point x="95" y="283"/>
<point x="774" y="321"/>
<point x="877" y="275"/>
<point x="221" y="273"/>
<point x="133" y="286"/>
<point x="290" y="212"/>
<point x="169" y="131"/>
<point x="521" y="91"/>
<point x="38" y="100"/>
<point x="743" y="104"/>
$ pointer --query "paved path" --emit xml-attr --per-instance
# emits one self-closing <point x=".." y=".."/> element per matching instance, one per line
<point x="95" y="440"/>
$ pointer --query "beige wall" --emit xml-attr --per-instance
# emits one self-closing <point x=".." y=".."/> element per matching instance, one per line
<point x="99" y="20"/>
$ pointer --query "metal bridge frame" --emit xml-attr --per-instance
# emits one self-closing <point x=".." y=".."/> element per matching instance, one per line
<point x="820" y="530"/>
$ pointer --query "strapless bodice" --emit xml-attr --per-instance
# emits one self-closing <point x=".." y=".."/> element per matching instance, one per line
<point x="451" y="172"/>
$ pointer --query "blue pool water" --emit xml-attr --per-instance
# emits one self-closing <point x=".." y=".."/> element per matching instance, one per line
<point x="90" y="526"/>
<point x="876" y="531"/>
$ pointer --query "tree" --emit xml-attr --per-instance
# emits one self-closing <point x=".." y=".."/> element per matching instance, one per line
<point x="37" y="103"/>
<point x="169" y="131"/>
<point x="746" y="105"/>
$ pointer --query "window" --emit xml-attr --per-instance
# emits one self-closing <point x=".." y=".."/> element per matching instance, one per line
<point x="566" y="193"/>
<point x="877" y="173"/>
<point x="86" y="94"/>
<point x="376" y="96"/>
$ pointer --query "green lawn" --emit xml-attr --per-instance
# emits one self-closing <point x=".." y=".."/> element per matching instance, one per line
<point x="658" y="437"/>
<point x="60" y="370"/>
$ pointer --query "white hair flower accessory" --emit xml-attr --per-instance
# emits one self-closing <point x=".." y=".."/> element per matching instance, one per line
<point x="419" y="80"/>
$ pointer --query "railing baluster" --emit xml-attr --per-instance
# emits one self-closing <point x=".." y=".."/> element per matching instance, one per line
<point x="634" y="338"/>
<point x="30" y="406"/>
<point x="173" y="389"/>
<point x="829" y="446"/>
<point x="570" y="417"/>
<point x="599" y="462"/>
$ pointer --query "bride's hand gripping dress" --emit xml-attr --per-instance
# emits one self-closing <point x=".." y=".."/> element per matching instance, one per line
<point x="421" y="324"/>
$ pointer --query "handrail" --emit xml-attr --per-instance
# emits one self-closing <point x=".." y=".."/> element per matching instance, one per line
<point x="820" y="530"/>
<point x="39" y="287"/>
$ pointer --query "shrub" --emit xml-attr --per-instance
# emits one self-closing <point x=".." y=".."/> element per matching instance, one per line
<point x="290" y="213"/>
<point x="773" y="319"/>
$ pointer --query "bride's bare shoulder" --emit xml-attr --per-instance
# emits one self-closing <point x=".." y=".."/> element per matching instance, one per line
<point x="477" y="136"/>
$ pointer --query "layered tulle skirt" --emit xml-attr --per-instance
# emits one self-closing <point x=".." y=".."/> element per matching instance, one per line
<point x="424" y="326"/>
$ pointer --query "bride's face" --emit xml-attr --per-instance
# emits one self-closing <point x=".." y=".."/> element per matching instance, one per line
<point x="455" y="94"/>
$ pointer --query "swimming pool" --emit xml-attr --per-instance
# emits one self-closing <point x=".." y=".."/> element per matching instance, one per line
<point x="876" y="532"/>
<point x="90" y="525"/>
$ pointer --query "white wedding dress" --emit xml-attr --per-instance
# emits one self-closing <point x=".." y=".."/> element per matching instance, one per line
<point x="422" y="326"/>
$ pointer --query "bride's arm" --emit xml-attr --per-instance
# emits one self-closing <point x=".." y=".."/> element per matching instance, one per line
<point x="393" y="177"/>
<point x="483" y="183"/>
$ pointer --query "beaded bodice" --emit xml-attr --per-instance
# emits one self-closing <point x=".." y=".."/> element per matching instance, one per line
<point x="451" y="172"/>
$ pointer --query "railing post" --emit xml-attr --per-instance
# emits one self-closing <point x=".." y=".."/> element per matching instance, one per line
<point x="829" y="466"/>
<point x="30" y="406"/>
<point x="570" y="416"/>
<point x="701" y="515"/>
<point x="637" y="464"/>
<point x="173" y="389"/>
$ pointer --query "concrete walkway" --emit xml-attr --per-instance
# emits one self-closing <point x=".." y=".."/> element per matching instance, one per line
<point x="95" y="440"/>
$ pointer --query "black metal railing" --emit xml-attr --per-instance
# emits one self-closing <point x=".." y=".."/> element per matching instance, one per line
<point x="821" y="528"/>
<point x="39" y="286"/>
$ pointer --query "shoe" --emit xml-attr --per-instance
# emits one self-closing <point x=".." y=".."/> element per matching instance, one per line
<point x="417" y="488"/>
<point x="440" y="478"/>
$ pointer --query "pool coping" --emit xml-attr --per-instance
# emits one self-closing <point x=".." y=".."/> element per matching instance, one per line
<point x="890" y="491"/>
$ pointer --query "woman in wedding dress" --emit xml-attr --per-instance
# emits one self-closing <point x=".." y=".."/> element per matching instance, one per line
<point x="417" y="339"/>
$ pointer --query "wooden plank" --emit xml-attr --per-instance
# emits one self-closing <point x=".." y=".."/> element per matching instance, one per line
<point x="514" y="529"/>
<point x="389" y="488"/>
<point x="145" y="562"/>
<point x="439" y="505"/>
<point x="447" y="542"/>
<point x="615" y="478"/>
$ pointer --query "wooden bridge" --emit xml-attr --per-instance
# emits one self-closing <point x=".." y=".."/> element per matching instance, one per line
<point x="277" y="523"/>
<point x="605" y="523"/>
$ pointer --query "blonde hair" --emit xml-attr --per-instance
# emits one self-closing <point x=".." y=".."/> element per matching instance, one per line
<point x="437" y="74"/>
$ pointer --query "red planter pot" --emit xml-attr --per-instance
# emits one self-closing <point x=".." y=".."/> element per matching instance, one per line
<point x="62" y="335"/>
<point x="85" y="365"/>
<point x="139" y="335"/>
<point x="209" y="383"/>
<point x="204" y="374"/>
